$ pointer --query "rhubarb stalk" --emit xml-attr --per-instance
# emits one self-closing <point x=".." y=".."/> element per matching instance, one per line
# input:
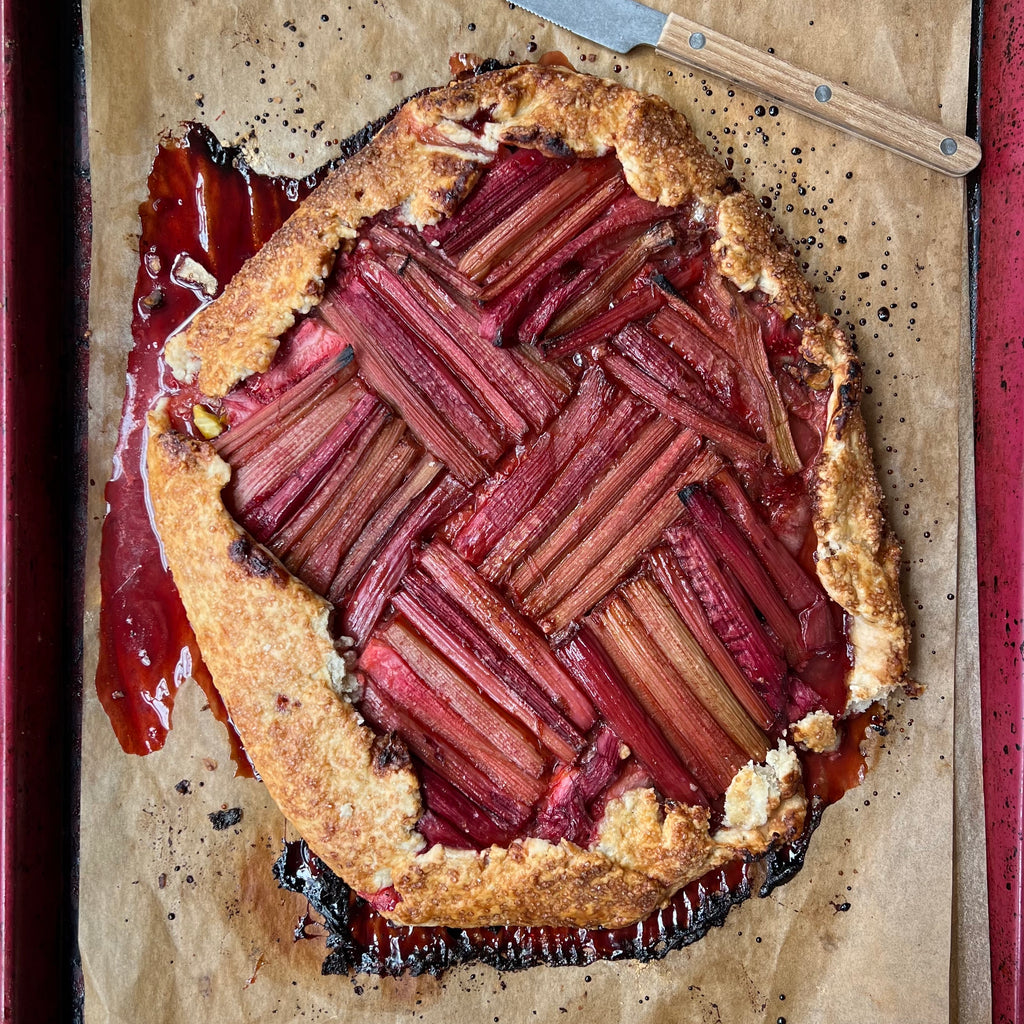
<point x="386" y="377"/>
<point x="679" y="645"/>
<point x="731" y="614"/>
<point x="372" y="592"/>
<point x="593" y="509"/>
<point x="584" y="657"/>
<point x="705" y="748"/>
<point x="734" y="443"/>
<point x="687" y="606"/>
<point x="604" y="445"/>
<point x="514" y="634"/>
<point x="514" y="497"/>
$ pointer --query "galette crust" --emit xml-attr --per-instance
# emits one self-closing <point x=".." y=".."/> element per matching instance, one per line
<point x="264" y="635"/>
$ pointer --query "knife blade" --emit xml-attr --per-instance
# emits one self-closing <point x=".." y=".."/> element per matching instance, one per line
<point x="621" y="25"/>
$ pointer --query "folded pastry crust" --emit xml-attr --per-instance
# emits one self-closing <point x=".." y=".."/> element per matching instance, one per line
<point x="265" y="637"/>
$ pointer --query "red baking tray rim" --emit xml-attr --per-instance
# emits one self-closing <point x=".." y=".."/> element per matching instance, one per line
<point x="41" y="459"/>
<point x="999" y="475"/>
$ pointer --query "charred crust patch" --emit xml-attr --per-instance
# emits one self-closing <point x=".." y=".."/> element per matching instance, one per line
<point x="463" y="176"/>
<point x="848" y="398"/>
<point x="389" y="753"/>
<point x="256" y="562"/>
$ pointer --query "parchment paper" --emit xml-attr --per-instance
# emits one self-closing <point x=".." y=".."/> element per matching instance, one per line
<point x="179" y="921"/>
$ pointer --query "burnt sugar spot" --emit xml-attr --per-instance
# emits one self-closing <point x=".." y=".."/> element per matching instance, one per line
<point x="225" y="819"/>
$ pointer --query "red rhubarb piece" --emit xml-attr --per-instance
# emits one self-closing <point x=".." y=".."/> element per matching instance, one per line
<point x="448" y="760"/>
<point x="438" y="722"/>
<point x="465" y="642"/>
<point x="732" y="442"/>
<point x="515" y="496"/>
<point x="681" y="648"/>
<point x="456" y="692"/>
<point x="383" y="524"/>
<point x="390" y="380"/>
<point x="584" y="657"/>
<point x="731" y="615"/>
<point x="618" y="480"/>
<point x="687" y="606"/>
<point x="514" y="634"/>
<point x="704" y="747"/>
<point x="461" y="642"/>
<point x="603" y="446"/>
<point x="373" y="591"/>
<point x="725" y="538"/>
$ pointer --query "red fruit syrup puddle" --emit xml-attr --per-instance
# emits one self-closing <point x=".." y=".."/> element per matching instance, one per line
<point x="206" y="205"/>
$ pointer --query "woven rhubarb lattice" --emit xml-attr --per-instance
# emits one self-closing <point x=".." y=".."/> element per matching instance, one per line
<point x="549" y="468"/>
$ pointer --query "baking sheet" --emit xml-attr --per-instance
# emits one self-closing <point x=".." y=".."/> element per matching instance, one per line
<point x="173" y="911"/>
<point x="999" y="369"/>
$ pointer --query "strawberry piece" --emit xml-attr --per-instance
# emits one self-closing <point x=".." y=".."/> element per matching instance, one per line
<point x="301" y="352"/>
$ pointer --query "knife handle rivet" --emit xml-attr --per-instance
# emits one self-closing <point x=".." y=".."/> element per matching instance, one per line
<point x="823" y="94"/>
<point x="947" y="147"/>
<point x="697" y="40"/>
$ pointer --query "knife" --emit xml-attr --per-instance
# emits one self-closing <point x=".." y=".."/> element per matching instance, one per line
<point x="620" y="25"/>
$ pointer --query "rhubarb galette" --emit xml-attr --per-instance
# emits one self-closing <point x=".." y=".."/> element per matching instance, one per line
<point x="528" y="526"/>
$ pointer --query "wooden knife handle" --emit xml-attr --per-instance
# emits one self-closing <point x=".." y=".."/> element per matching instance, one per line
<point x="913" y="137"/>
